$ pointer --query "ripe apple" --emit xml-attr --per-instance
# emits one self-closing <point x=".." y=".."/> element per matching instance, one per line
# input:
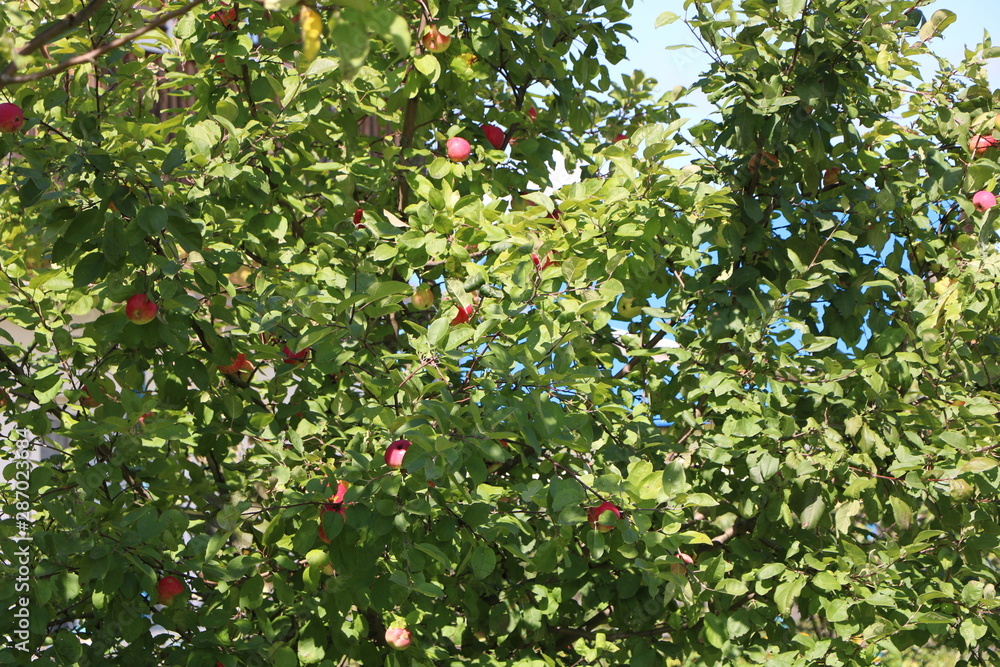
<point x="619" y="137"/>
<point x="542" y="264"/>
<point x="335" y="504"/>
<point x="11" y="117"/>
<point x="140" y="309"/>
<point x="463" y="316"/>
<point x="398" y="638"/>
<point x="359" y="218"/>
<point x="423" y="297"/>
<point x="532" y="114"/>
<point x="167" y="588"/>
<point x="88" y="401"/>
<point x="767" y="163"/>
<point x="226" y="17"/>
<point x="494" y="135"/>
<point x="298" y="358"/>
<point x="594" y="515"/>
<point x="395" y="452"/>
<point x="239" y="367"/>
<point x="434" y="41"/>
<point x="984" y="200"/>
<point x="980" y="143"/>
<point x="458" y="149"/>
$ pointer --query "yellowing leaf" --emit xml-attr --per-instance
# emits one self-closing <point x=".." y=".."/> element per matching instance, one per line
<point x="312" y="29"/>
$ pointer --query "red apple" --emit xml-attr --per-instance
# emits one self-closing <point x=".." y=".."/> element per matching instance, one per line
<point x="335" y="504"/>
<point x="620" y="137"/>
<point x="685" y="557"/>
<point x="11" y="117"/>
<point x="226" y="17"/>
<point x="423" y="297"/>
<point x="434" y="41"/>
<point x="297" y="358"/>
<point x="239" y="367"/>
<point x="359" y="217"/>
<point x="532" y="114"/>
<point x="980" y="143"/>
<point x="494" y="135"/>
<point x="398" y="638"/>
<point x="140" y="309"/>
<point x="984" y="200"/>
<point x="458" y="149"/>
<point x="463" y="316"/>
<point x="594" y="515"/>
<point x="395" y="452"/>
<point x="541" y="264"/>
<point x="88" y="401"/>
<point x="167" y="588"/>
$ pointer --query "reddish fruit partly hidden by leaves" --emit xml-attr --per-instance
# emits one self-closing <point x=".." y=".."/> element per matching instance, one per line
<point x="11" y="117"/>
<point x="980" y="143"/>
<point x="398" y="638"/>
<point x="334" y="504"/>
<point x="167" y="588"/>
<point x="458" y="149"/>
<point x="395" y="452"/>
<point x="831" y="177"/>
<point x="226" y="17"/>
<point x="494" y="135"/>
<point x="464" y="315"/>
<point x="434" y="41"/>
<point x="541" y="264"/>
<point x="239" y="366"/>
<point x="359" y="217"/>
<point x="299" y="357"/>
<point x="532" y="114"/>
<point x="594" y="516"/>
<point x="984" y="200"/>
<point x="140" y="309"/>
<point x="423" y="297"/>
<point x="620" y="137"/>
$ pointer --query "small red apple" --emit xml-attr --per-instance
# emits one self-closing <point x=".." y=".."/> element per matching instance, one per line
<point x="980" y="143"/>
<point x="532" y="114"/>
<point x="239" y="367"/>
<point x="398" y="638"/>
<point x="685" y="557"/>
<point x="226" y="17"/>
<point x="423" y="297"/>
<point x="463" y="316"/>
<point x="167" y="588"/>
<point x="335" y="504"/>
<point x="619" y="137"/>
<point x="88" y="401"/>
<point x="11" y="117"/>
<point x="297" y="358"/>
<point x="984" y="200"/>
<point x="458" y="149"/>
<point x="395" y="452"/>
<point x="494" y="135"/>
<point x="541" y="264"/>
<point x="140" y="309"/>
<point x="434" y="41"/>
<point x="594" y="515"/>
<point x="359" y="216"/>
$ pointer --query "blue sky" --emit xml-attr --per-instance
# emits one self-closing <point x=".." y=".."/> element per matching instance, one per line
<point x="684" y="66"/>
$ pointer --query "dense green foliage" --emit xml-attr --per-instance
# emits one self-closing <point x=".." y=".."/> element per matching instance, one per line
<point x="806" y="472"/>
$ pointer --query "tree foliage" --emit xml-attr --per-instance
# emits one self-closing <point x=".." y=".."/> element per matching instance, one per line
<point x="768" y="336"/>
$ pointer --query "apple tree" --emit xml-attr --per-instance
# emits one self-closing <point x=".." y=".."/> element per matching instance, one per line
<point x="304" y="363"/>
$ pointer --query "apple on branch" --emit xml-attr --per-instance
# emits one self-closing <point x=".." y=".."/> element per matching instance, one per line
<point x="395" y="453"/>
<point x="240" y="367"/>
<point x="494" y="135"/>
<point x="458" y="149"/>
<point x="398" y="638"/>
<point x="980" y="143"/>
<point x="167" y="588"/>
<point x="140" y="309"/>
<point x="984" y="200"/>
<point x="334" y="504"/>
<point x="463" y="315"/>
<point x="435" y="41"/>
<point x="296" y="358"/>
<point x="11" y="117"/>
<point x="603" y="516"/>
<point x="423" y="297"/>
